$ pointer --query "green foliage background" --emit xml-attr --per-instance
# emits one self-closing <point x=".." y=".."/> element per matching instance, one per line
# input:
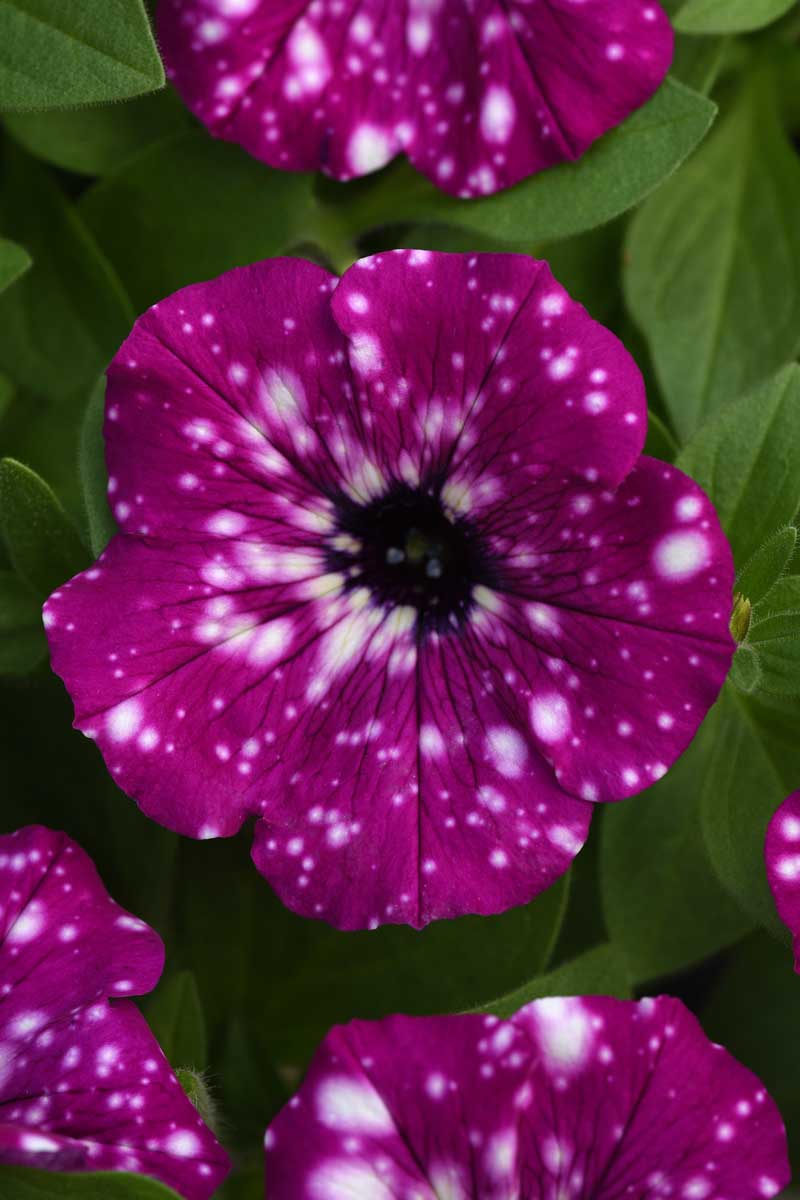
<point x="681" y="231"/>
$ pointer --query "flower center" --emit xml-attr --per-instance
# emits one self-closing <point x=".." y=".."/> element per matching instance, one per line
<point x="408" y="551"/>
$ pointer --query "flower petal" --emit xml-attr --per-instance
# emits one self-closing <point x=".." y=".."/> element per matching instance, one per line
<point x="585" y="1096"/>
<point x="482" y="368"/>
<point x="83" y="1083"/>
<point x="222" y="406"/>
<point x="55" y="909"/>
<point x="93" y="1092"/>
<point x="614" y="617"/>
<point x="783" y="866"/>
<point x="478" y="97"/>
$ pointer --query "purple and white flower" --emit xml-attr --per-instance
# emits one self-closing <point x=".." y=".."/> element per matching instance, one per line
<point x="393" y="579"/>
<point x="478" y="94"/>
<point x="83" y="1083"/>
<point x="579" y="1098"/>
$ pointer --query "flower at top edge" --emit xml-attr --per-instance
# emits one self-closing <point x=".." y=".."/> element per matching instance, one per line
<point x="393" y="579"/>
<point x="477" y="95"/>
<point x="585" y="1097"/>
<point x="84" y="1085"/>
<point x="783" y="866"/>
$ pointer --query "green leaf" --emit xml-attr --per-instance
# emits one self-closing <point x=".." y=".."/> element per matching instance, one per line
<point x="24" y="1183"/>
<point x="767" y="565"/>
<point x="729" y="16"/>
<point x="22" y="640"/>
<point x="93" y="473"/>
<point x="163" y="238"/>
<point x="614" y="175"/>
<point x="252" y="1091"/>
<point x="748" y="460"/>
<point x="754" y="763"/>
<point x="713" y="272"/>
<point x="59" y="325"/>
<point x="784" y="597"/>
<point x="660" y="439"/>
<point x="14" y="261"/>
<point x="175" y="1015"/>
<point x="327" y="976"/>
<point x="664" y="908"/>
<point x="776" y="640"/>
<point x="43" y="544"/>
<point x="745" y="673"/>
<point x="101" y="138"/>
<point x="601" y="971"/>
<point x="62" y="322"/>
<point x="699" y="61"/>
<point x="59" y="53"/>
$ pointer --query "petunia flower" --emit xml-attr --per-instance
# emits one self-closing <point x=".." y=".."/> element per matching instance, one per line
<point x="783" y="866"/>
<point x="83" y="1083"/>
<point x="478" y="95"/>
<point x="392" y="579"/>
<point x="580" y="1097"/>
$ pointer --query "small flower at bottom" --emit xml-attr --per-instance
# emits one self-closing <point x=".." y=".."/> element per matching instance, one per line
<point x="477" y="95"/>
<point x="782" y="854"/>
<point x="83" y="1083"/>
<point x="579" y="1097"/>
<point x="393" y="578"/>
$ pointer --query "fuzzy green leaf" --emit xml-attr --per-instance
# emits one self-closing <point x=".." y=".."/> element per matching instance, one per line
<point x="729" y="16"/>
<point x="14" y="261"/>
<point x="754" y="763"/>
<point x="175" y="1014"/>
<point x="745" y="674"/>
<point x="43" y="544"/>
<point x="24" y="1183"/>
<point x="60" y="53"/>
<point x="22" y="641"/>
<point x="748" y="460"/>
<point x="214" y="208"/>
<point x="599" y="971"/>
<point x="713" y="274"/>
<point x="93" y="473"/>
<point x="767" y="565"/>
<point x="663" y="906"/>
<point x="102" y="137"/>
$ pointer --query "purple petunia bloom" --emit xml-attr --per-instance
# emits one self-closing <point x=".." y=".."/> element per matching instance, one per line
<point x="393" y="579"/>
<point x="83" y="1083"/>
<point x="783" y="866"/>
<point x="478" y="95"/>
<point x="582" y="1097"/>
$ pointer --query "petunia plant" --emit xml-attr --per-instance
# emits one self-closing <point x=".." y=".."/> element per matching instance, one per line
<point x="399" y="599"/>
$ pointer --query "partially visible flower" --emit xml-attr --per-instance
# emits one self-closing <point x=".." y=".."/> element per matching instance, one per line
<point x="783" y="866"/>
<point x="587" y="1098"/>
<point x="477" y="95"/>
<point x="393" y="578"/>
<point x="83" y="1083"/>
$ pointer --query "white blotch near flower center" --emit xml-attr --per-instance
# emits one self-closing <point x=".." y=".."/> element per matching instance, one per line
<point x="542" y="616"/>
<point x="550" y="717"/>
<point x="343" y="1180"/>
<point x="679" y="556"/>
<point x="507" y="751"/>
<point x="347" y="1104"/>
<point x="431" y="742"/>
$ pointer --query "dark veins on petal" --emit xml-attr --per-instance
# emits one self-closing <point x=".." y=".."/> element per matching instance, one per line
<point x="408" y="550"/>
